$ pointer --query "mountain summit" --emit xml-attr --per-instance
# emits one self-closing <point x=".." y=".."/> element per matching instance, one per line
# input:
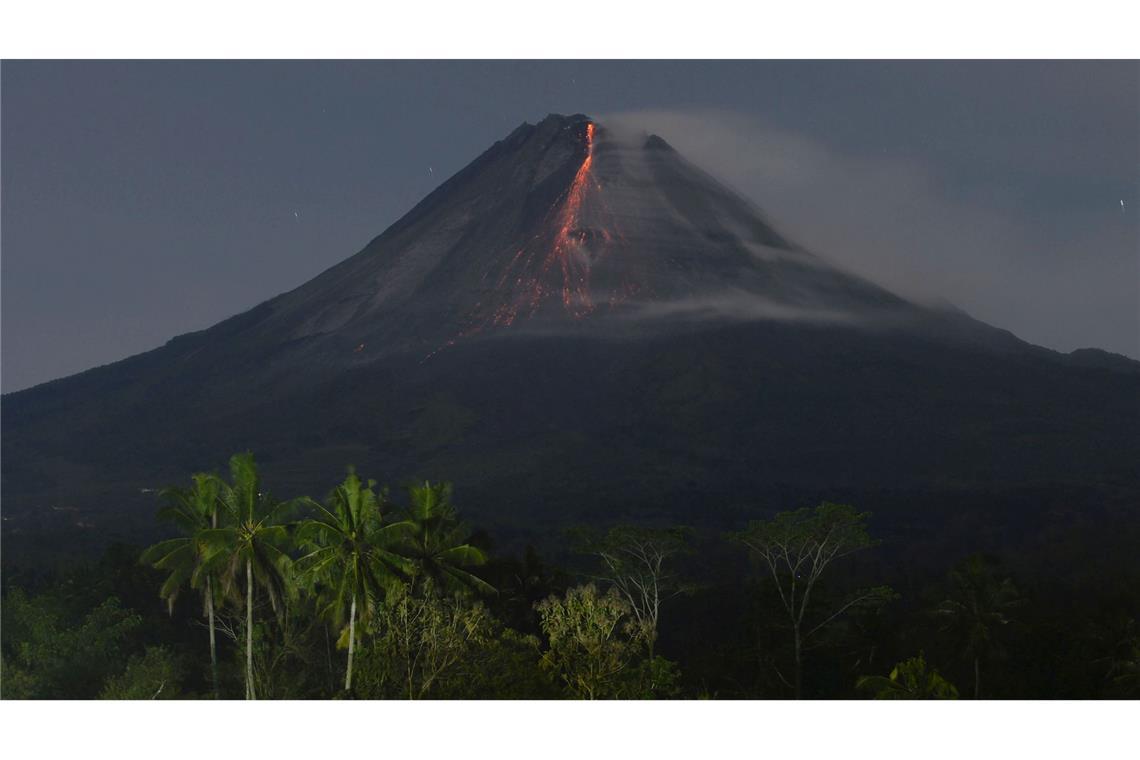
<point x="580" y="323"/>
<point x="558" y="223"/>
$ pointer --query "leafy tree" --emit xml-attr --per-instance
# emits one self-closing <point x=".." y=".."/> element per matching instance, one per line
<point x="978" y="607"/>
<point x="47" y="656"/>
<point x="156" y="674"/>
<point x="505" y="665"/>
<point x="594" y="640"/>
<point x="437" y="542"/>
<point x="251" y="543"/>
<point x="634" y="561"/>
<point x="422" y="633"/>
<point x="349" y="556"/>
<point x="1123" y="643"/>
<point x="653" y="678"/>
<point x="909" y="679"/>
<point x="193" y="510"/>
<point x="796" y="549"/>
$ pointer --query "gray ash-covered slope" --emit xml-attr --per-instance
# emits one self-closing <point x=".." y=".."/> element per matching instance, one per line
<point x="578" y="323"/>
<point x="556" y="223"/>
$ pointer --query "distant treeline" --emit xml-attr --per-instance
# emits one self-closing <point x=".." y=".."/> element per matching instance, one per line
<point x="372" y="595"/>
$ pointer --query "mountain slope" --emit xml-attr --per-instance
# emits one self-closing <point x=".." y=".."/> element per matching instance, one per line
<point x="578" y="323"/>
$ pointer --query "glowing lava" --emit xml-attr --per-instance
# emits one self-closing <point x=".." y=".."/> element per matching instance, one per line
<point x="552" y="264"/>
<point x="555" y="262"/>
<point x="575" y="271"/>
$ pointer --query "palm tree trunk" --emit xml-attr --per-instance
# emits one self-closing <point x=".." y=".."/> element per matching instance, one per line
<point x="799" y="667"/>
<point x="210" y="612"/>
<point x="328" y="661"/>
<point x="351" y="643"/>
<point x="249" y="630"/>
<point x="977" y="680"/>
<point x="213" y="645"/>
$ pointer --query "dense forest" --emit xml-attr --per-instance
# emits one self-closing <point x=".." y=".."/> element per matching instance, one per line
<point x="371" y="594"/>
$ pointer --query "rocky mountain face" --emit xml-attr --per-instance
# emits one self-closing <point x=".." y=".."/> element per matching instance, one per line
<point x="580" y="325"/>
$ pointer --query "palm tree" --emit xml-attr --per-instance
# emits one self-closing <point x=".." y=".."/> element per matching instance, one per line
<point x="193" y="510"/>
<point x="976" y="609"/>
<point x="252" y="539"/>
<point x="436" y="541"/>
<point x="349" y="553"/>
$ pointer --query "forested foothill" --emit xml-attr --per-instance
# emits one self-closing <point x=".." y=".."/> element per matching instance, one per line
<point x="372" y="593"/>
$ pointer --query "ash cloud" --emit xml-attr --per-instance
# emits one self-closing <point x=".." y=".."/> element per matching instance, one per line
<point x="899" y="221"/>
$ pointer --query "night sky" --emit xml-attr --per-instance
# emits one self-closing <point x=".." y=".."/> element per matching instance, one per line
<point x="142" y="200"/>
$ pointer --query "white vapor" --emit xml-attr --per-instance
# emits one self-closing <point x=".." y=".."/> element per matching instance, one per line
<point x="894" y="221"/>
<point x="742" y="306"/>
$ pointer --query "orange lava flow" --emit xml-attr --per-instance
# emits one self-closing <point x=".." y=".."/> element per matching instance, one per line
<point x="548" y="263"/>
<point x="545" y="266"/>
<point x="529" y="275"/>
<point x="575" y="273"/>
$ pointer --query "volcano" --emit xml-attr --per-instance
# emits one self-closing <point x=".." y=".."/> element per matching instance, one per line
<point x="583" y="326"/>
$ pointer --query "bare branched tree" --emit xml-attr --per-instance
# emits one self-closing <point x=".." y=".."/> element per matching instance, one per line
<point x="636" y="561"/>
<point x="795" y="549"/>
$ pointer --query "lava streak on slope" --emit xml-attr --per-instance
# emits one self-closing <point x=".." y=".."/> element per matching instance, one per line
<point x="575" y="272"/>
<point x="554" y="261"/>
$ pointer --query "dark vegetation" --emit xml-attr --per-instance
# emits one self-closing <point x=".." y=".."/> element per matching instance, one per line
<point x="369" y="594"/>
<point x="738" y="420"/>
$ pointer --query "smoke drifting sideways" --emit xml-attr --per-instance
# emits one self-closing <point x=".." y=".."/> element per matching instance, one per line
<point x="1064" y="276"/>
<point x="740" y="306"/>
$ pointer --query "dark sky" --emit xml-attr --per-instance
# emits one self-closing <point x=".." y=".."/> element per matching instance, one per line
<point x="142" y="200"/>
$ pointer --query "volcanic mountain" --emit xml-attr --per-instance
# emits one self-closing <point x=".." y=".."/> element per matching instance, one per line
<point x="581" y="325"/>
